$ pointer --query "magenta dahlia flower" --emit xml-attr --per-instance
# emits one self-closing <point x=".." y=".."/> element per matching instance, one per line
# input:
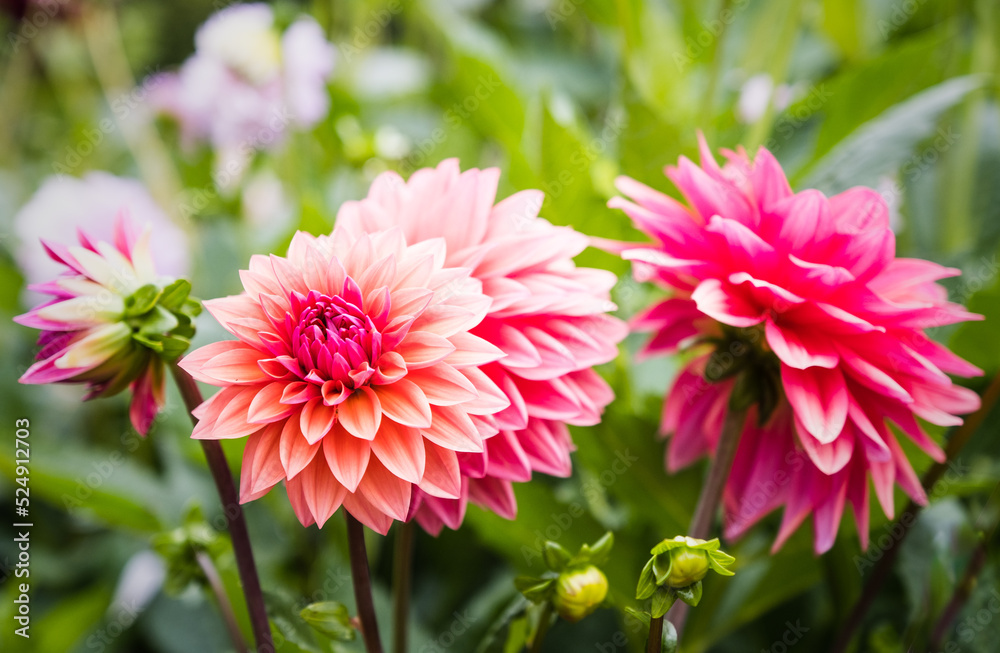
<point x="547" y="316"/>
<point x="111" y="322"/>
<point x="797" y="301"/>
<point x="354" y="375"/>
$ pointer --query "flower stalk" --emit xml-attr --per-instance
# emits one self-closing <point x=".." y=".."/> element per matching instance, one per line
<point x="235" y="520"/>
<point x="225" y="606"/>
<point x="361" y="579"/>
<point x="711" y="497"/>
<point x="402" y="579"/>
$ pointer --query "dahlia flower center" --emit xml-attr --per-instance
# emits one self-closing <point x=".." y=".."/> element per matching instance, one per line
<point x="742" y="354"/>
<point x="333" y="339"/>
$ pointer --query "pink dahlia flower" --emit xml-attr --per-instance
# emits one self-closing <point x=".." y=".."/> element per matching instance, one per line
<point x="797" y="299"/>
<point x="111" y="321"/>
<point x="354" y="375"/>
<point x="546" y="315"/>
<point x="247" y="83"/>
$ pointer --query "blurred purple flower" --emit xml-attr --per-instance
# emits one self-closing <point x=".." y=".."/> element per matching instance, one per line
<point x="247" y="84"/>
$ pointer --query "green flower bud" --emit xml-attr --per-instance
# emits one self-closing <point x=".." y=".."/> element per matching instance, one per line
<point x="579" y="592"/>
<point x="687" y="566"/>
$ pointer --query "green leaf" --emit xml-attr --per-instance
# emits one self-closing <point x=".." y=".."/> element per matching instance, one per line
<point x="647" y="582"/>
<point x="142" y="301"/>
<point x="882" y="145"/>
<point x="537" y="592"/>
<point x="556" y="557"/>
<point x="599" y="551"/>
<point x="663" y="599"/>
<point x="690" y="594"/>
<point x="175" y="295"/>
<point x="639" y="615"/>
<point x="330" y="618"/>
<point x="158" y="322"/>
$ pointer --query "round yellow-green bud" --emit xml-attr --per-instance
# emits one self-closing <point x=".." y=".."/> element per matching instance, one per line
<point x="689" y="566"/>
<point x="579" y="592"/>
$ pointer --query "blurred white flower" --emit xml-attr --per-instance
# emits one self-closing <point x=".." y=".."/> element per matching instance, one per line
<point x="246" y="84"/>
<point x="388" y="73"/>
<point x="64" y="204"/>
<point x="390" y="143"/>
<point x="140" y="581"/>
<point x="755" y="95"/>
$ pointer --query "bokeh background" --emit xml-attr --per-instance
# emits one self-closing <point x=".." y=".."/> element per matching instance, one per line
<point x="562" y="95"/>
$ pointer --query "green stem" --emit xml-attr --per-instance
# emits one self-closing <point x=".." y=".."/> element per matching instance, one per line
<point x="402" y="579"/>
<point x="362" y="584"/>
<point x="235" y="520"/>
<point x="711" y="495"/>
<point x="544" y="621"/>
<point x="225" y="606"/>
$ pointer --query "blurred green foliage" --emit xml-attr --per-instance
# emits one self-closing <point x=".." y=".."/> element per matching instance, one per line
<point x="562" y="95"/>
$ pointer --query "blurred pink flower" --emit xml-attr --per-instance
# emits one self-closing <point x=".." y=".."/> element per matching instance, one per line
<point x="353" y="376"/>
<point x="548" y="316"/>
<point x="805" y="294"/>
<point x="246" y="83"/>
<point x="64" y="204"/>
<point x="110" y="320"/>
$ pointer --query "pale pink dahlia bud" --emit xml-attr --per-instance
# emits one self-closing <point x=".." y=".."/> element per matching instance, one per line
<point x="112" y="321"/>
<point x="549" y="318"/>
<point x="354" y="375"/>
<point x="798" y="305"/>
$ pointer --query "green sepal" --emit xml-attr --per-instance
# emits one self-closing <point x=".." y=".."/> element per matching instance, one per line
<point x="661" y="567"/>
<point x="663" y="599"/>
<point x="175" y="295"/>
<point x="556" y="557"/>
<point x="690" y="594"/>
<point x="330" y="618"/>
<point x="647" y="582"/>
<point x="536" y="590"/>
<point x="596" y="553"/>
<point x="142" y="301"/>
